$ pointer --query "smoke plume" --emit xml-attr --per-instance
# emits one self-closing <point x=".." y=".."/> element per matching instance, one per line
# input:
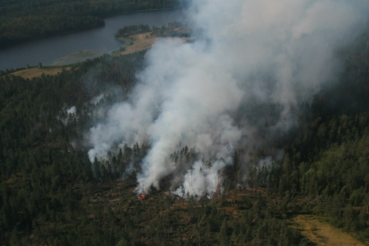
<point x="252" y="64"/>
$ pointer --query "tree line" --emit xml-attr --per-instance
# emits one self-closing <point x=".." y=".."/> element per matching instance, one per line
<point x="172" y="29"/>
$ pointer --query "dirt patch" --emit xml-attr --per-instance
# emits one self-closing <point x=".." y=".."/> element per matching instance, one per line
<point x="323" y="233"/>
<point x="142" y="41"/>
<point x="37" y="72"/>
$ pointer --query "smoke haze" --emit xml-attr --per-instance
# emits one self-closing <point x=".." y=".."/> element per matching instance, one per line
<point x="253" y="62"/>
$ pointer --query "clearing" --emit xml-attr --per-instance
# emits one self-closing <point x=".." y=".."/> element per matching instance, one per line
<point x="37" y="72"/>
<point x="76" y="57"/>
<point x="323" y="233"/>
<point x="142" y="41"/>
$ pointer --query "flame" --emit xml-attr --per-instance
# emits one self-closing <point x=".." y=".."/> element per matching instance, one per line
<point x="143" y="197"/>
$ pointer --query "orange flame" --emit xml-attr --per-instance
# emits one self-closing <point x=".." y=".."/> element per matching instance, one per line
<point x="143" y="197"/>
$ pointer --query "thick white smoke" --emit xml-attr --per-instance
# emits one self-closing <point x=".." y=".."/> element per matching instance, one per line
<point x="207" y="94"/>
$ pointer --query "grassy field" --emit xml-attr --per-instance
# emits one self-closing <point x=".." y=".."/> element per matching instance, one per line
<point x="37" y="72"/>
<point x="322" y="233"/>
<point x="134" y="43"/>
<point x="76" y="57"/>
<point x="138" y="42"/>
<point x="125" y="43"/>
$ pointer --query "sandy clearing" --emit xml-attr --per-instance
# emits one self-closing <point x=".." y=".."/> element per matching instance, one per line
<point x="142" y="41"/>
<point x="37" y="72"/>
<point x="323" y="233"/>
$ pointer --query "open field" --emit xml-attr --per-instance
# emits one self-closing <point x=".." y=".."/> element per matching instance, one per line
<point x="76" y="57"/>
<point x="37" y="72"/>
<point x="323" y="233"/>
<point x="142" y="41"/>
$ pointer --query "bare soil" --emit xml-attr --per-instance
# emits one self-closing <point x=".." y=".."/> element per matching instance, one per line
<point x="142" y="41"/>
<point x="323" y="233"/>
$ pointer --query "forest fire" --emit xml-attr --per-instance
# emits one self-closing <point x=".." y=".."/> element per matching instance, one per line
<point x="264" y="59"/>
<point x="143" y="197"/>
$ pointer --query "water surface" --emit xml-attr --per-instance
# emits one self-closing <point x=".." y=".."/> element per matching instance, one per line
<point x="48" y="50"/>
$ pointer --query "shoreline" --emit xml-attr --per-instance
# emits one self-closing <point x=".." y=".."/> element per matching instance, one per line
<point x="84" y="29"/>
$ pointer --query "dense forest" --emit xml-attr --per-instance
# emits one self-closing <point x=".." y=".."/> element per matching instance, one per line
<point x="22" y="20"/>
<point x="52" y="195"/>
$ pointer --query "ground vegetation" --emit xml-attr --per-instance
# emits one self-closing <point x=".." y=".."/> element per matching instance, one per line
<point x="51" y="194"/>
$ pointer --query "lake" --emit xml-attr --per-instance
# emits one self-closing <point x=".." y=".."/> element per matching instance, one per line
<point x="48" y="50"/>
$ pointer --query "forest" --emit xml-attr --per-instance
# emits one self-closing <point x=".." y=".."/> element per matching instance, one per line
<point x="51" y="194"/>
<point x="22" y="20"/>
<point x="173" y="29"/>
